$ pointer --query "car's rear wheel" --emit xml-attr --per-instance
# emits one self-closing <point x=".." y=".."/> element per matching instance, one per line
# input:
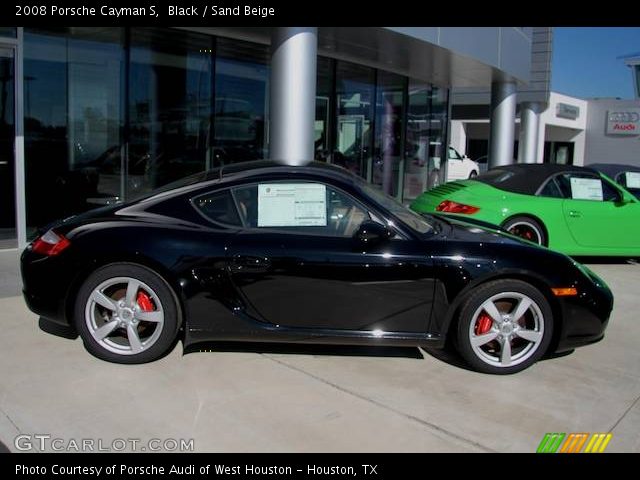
<point x="126" y="313"/>
<point x="473" y="174"/>
<point x="505" y="326"/>
<point x="526" y="228"/>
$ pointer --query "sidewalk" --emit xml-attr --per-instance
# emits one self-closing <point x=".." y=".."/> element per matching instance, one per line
<point x="9" y="273"/>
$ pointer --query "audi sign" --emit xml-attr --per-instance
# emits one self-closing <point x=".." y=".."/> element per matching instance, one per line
<point x="623" y="122"/>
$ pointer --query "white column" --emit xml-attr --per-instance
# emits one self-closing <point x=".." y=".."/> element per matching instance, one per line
<point x="293" y="94"/>
<point x="503" y="117"/>
<point x="529" y="132"/>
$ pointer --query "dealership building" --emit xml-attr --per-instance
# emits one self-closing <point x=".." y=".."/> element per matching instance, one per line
<point x="571" y="130"/>
<point x="93" y="116"/>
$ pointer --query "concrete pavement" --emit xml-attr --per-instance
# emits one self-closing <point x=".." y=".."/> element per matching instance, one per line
<point x="321" y="399"/>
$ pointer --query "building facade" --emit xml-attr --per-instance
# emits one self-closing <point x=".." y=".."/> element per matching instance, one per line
<point x="571" y="131"/>
<point x="97" y="115"/>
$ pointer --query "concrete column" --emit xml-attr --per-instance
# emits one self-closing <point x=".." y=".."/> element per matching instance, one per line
<point x="503" y="117"/>
<point x="529" y="132"/>
<point x="293" y="94"/>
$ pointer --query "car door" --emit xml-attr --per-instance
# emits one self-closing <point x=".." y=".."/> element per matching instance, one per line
<point x="597" y="213"/>
<point x="296" y="262"/>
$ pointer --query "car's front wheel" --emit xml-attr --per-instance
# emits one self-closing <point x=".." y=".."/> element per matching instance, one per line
<point x="126" y="313"/>
<point x="504" y="327"/>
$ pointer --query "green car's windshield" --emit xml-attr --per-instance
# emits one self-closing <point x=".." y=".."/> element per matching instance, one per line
<point x="414" y="220"/>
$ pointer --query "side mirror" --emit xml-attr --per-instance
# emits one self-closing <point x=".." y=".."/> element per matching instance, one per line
<point x="372" y="233"/>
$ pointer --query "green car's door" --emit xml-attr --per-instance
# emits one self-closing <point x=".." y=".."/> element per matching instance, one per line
<point x="597" y="213"/>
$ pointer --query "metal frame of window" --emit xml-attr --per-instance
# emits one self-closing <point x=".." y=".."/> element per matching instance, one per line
<point x="16" y="44"/>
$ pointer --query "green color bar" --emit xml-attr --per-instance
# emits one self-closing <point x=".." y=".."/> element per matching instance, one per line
<point x="550" y="442"/>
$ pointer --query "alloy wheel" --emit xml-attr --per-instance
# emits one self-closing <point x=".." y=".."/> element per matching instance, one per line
<point x="507" y="329"/>
<point x="124" y="315"/>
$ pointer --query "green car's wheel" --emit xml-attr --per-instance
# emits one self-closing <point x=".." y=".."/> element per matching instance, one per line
<point x="504" y="327"/>
<point x="527" y="228"/>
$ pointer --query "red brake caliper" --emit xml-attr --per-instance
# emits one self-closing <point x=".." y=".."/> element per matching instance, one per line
<point x="483" y="324"/>
<point x="144" y="302"/>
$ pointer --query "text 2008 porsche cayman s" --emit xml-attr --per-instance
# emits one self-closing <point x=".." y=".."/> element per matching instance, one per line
<point x="308" y="254"/>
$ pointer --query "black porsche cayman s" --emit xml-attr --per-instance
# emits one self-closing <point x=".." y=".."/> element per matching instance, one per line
<point x="308" y="254"/>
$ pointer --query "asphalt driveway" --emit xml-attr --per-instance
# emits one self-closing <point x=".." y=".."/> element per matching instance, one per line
<point x="290" y="398"/>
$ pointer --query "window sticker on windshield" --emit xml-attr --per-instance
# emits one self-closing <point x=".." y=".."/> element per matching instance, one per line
<point x="292" y="205"/>
<point x="633" y="179"/>
<point x="586" y="189"/>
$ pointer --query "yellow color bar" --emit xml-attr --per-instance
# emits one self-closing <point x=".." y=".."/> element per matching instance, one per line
<point x="606" y="441"/>
<point x="598" y="442"/>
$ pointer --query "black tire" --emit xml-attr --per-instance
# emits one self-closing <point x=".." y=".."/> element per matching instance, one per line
<point x="488" y="357"/>
<point x="116" y="346"/>
<point x="528" y="229"/>
<point x="473" y="174"/>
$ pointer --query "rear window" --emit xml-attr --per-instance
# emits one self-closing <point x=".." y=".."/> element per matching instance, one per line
<point x="495" y="177"/>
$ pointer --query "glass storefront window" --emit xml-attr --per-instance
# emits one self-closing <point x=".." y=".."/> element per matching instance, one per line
<point x="425" y="139"/>
<point x="388" y="137"/>
<point x="438" y="121"/>
<point x="324" y="113"/>
<point x="169" y="107"/>
<point x="113" y="113"/>
<point x="241" y="96"/>
<point x="73" y="98"/>
<point x="7" y="158"/>
<point x="355" y="98"/>
<point x="8" y="32"/>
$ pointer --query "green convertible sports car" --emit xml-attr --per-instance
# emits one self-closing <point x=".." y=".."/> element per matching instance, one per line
<point x="575" y="210"/>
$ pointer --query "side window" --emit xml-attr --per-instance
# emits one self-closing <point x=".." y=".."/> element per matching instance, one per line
<point x="629" y="180"/>
<point x="580" y="186"/>
<point x="453" y="154"/>
<point x="551" y="189"/>
<point x="218" y="207"/>
<point x="312" y="208"/>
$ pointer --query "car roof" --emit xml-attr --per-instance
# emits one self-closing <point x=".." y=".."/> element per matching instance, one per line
<point x="240" y="170"/>
<point x="527" y="178"/>
<point x="613" y="169"/>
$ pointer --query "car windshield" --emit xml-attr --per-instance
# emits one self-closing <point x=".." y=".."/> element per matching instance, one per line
<point x="414" y="220"/>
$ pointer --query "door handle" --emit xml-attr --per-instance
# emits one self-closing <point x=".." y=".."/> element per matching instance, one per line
<point x="4" y="162"/>
<point x="575" y="214"/>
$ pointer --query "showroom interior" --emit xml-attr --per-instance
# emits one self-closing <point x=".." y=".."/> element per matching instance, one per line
<point x="101" y="115"/>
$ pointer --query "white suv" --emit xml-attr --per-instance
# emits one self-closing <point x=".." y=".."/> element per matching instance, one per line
<point x="460" y="167"/>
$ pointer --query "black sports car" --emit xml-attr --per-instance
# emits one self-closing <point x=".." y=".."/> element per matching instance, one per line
<point x="310" y="254"/>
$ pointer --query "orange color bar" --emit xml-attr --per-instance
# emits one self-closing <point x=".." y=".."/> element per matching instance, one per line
<point x="581" y="442"/>
<point x="565" y="292"/>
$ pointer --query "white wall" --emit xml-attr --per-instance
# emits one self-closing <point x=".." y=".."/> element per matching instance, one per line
<point x="603" y="148"/>
<point x="557" y="129"/>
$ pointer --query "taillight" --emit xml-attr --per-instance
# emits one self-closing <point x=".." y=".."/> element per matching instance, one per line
<point x="51" y="243"/>
<point x="449" y="206"/>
